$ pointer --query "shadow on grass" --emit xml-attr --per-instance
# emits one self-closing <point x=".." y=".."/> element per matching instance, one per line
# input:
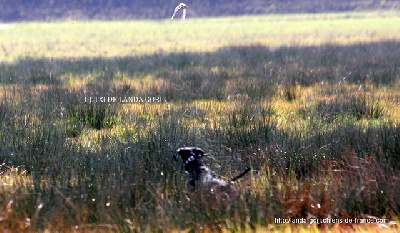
<point x="245" y="70"/>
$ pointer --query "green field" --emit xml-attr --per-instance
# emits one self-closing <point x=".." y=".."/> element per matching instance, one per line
<point x="310" y="102"/>
<point x="133" y="38"/>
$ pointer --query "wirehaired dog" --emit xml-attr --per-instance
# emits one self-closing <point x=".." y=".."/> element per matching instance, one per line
<point x="200" y="176"/>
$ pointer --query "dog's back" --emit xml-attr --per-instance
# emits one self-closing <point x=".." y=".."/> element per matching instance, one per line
<point x="200" y="175"/>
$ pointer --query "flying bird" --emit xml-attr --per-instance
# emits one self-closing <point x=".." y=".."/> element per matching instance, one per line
<point x="181" y="6"/>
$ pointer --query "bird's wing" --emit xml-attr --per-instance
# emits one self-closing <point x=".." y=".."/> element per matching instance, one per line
<point x="183" y="14"/>
<point x="176" y="10"/>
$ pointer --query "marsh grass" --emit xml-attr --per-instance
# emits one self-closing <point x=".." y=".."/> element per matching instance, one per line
<point x="358" y="107"/>
<point x="97" y="116"/>
<point x="318" y="125"/>
<point x="108" y="166"/>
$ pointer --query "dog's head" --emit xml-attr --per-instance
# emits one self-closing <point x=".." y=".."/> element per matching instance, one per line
<point x="188" y="153"/>
<point x="191" y="157"/>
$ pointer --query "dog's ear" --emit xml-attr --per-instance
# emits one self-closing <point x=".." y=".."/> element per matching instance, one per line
<point x="184" y="153"/>
<point x="198" y="152"/>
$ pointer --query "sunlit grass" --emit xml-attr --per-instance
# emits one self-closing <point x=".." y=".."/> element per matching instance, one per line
<point x="132" y="38"/>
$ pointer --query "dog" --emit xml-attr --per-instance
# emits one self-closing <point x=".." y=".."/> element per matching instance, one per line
<point x="200" y="176"/>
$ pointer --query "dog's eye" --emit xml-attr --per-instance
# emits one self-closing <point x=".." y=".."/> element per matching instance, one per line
<point x="191" y="158"/>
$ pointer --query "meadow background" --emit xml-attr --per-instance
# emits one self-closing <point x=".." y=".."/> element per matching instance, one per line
<point x="309" y="101"/>
<point x="51" y="10"/>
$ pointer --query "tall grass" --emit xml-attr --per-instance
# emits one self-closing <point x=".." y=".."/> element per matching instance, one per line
<point x="318" y="125"/>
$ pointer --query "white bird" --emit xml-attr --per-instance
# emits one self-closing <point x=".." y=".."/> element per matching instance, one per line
<point x="181" y="6"/>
